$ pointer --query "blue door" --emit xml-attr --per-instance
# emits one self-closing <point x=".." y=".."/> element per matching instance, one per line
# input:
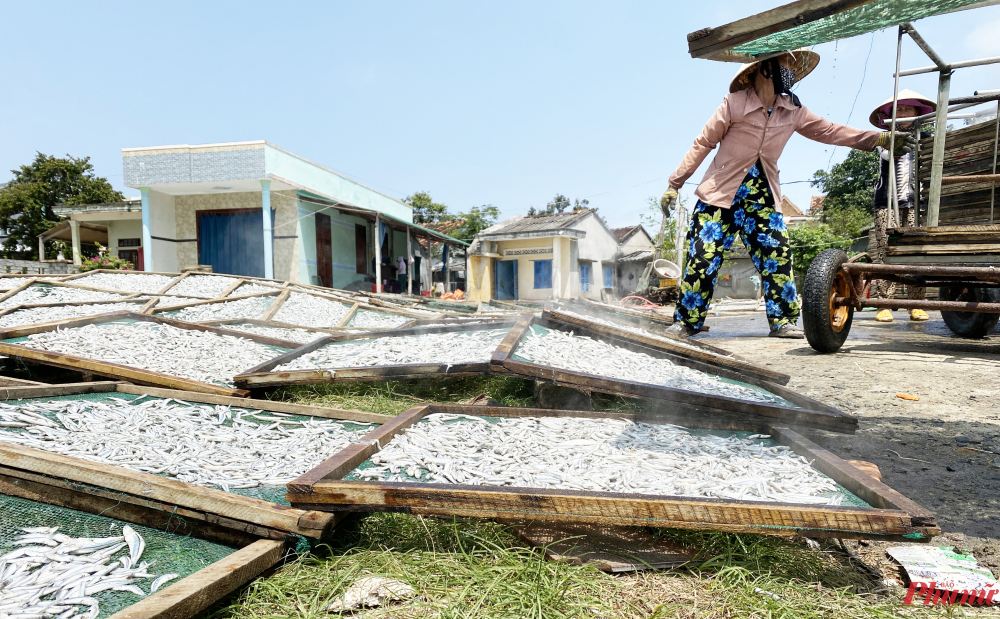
<point x="505" y="274"/>
<point x="231" y="240"/>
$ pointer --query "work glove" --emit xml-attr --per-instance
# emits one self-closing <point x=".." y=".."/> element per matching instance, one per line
<point x="668" y="201"/>
<point x="905" y="142"/>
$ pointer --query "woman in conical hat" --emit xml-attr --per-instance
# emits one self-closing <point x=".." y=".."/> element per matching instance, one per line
<point x="909" y="104"/>
<point x="740" y="194"/>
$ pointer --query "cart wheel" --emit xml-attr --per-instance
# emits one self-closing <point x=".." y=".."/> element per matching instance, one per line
<point x="970" y="324"/>
<point x="826" y="326"/>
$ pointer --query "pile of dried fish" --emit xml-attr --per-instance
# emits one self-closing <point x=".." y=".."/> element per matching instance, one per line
<point x="251" y="288"/>
<point x="582" y="354"/>
<point x="368" y="319"/>
<point x="252" y="307"/>
<point x="630" y="328"/>
<point x="201" y="444"/>
<point x="432" y="348"/>
<point x="127" y="282"/>
<point x="54" y="575"/>
<point x="9" y="283"/>
<point x="43" y="293"/>
<point x="310" y="310"/>
<point x="35" y="315"/>
<point x="204" y="286"/>
<point x="608" y="455"/>
<point x="197" y="355"/>
<point x="165" y="299"/>
<point x="301" y="336"/>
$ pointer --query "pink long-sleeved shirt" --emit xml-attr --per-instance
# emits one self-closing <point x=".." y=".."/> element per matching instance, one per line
<point x="744" y="133"/>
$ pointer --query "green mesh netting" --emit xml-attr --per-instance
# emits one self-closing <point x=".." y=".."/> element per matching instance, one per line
<point x="848" y="498"/>
<point x="779" y="401"/>
<point x="273" y="494"/>
<point x="866" y="18"/>
<point x="176" y="554"/>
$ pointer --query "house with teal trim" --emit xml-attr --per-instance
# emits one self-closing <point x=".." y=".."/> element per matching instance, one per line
<point x="254" y="209"/>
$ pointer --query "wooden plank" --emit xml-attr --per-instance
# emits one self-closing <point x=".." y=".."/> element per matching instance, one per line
<point x="603" y="508"/>
<point x="188" y="597"/>
<point x="511" y="340"/>
<point x="13" y="291"/>
<point x="367" y="374"/>
<point x="871" y="490"/>
<point x="148" y="307"/>
<point x="173" y="283"/>
<point x="7" y="381"/>
<point x="264" y="405"/>
<point x="215" y="301"/>
<point x="113" y="504"/>
<point x="964" y="248"/>
<point x="271" y="311"/>
<point x="228" y="291"/>
<point x="48" y="391"/>
<point x="666" y="344"/>
<point x="710" y="41"/>
<point x="349" y="315"/>
<point x="156" y="488"/>
<point x="353" y="455"/>
<point x="972" y="178"/>
<point x="825" y="419"/>
<point x="114" y="370"/>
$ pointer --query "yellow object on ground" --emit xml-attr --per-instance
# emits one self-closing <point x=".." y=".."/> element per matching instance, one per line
<point x="883" y="315"/>
<point x="919" y="315"/>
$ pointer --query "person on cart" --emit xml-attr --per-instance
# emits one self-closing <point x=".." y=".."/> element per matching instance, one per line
<point x="740" y="194"/>
<point x="909" y="105"/>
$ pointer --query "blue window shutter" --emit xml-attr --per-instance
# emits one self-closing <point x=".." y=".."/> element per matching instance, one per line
<point x="543" y="274"/>
<point x="607" y="277"/>
<point x="584" y="278"/>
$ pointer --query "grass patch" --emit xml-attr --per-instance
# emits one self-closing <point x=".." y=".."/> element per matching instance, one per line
<point x="478" y="569"/>
<point x="392" y="398"/>
<point x="458" y="568"/>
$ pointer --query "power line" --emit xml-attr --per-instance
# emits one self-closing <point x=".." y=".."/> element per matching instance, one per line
<point x="858" y="94"/>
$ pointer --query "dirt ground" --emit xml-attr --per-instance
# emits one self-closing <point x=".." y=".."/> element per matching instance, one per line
<point x="942" y="451"/>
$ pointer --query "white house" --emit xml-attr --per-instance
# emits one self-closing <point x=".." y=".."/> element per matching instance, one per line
<point x="538" y="257"/>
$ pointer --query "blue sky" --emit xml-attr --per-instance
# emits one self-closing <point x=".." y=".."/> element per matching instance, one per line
<point x="503" y="103"/>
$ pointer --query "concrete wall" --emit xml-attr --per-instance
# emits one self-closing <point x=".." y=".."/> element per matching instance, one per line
<point x="479" y="278"/>
<point x="286" y="235"/>
<point x="636" y="242"/>
<point x="283" y="165"/>
<point x="33" y="267"/>
<point x="162" y="256"/>
<point x="599" y="246"/>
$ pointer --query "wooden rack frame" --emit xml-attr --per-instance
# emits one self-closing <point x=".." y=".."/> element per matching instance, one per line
<point x="159" y="309"/>
<point x="190" y="595"/>
<point x="48" y="476"/>
<point x="689" y="349"/>
<point x="811" y="412"/>
<point x="115" y="370"/>
<point x="892" y="516"/>
<point x="264" y="374"/>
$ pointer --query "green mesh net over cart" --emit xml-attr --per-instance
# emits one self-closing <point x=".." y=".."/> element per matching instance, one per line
<point x="868" y="17"/>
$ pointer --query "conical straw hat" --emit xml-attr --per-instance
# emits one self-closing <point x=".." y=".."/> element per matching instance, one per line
<point x="802" y="61"/>
<point x="881" y="116"/>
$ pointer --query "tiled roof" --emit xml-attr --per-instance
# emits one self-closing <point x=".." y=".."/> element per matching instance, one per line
<point x="535" y="223"/>
<point x="623" y="233"/>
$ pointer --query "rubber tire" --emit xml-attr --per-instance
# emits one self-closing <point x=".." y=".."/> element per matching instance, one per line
<point x="973" y="325"/>
<point x="816" y="303"/>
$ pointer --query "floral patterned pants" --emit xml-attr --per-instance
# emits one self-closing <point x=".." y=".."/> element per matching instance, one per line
<point x="762" y="230"/>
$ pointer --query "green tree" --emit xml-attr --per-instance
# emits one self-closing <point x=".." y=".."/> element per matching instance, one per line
<point x="426" y="210"/>
<point x="476" y="219"/>
<point x="807" y="241"/>
<point x="559" y="204"/>
<point x="850" y="184"/>
<point x="26" y="202"/>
